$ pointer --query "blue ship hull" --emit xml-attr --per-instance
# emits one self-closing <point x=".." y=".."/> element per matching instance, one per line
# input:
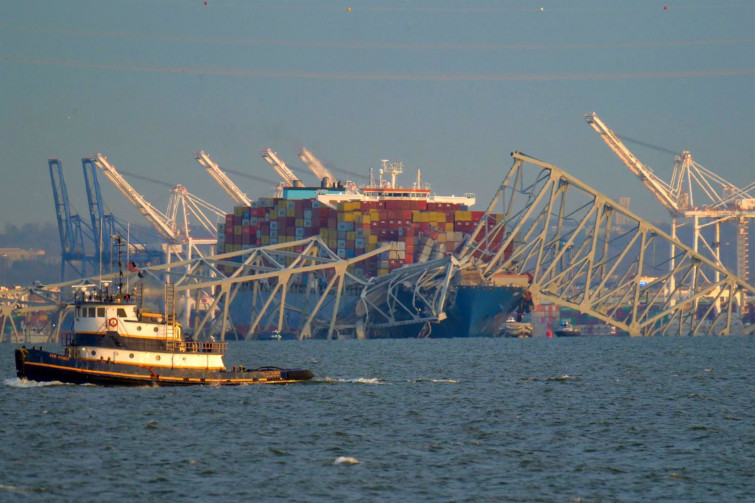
<point x="476" y="311"/>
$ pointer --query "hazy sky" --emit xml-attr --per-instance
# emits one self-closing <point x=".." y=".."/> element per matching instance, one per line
<point x="450" y="87"/>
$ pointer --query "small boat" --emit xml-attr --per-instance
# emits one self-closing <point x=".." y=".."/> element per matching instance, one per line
<point x="513" y="328"/>
<point x="566" y="329"/>
<point x="115" y="341"/>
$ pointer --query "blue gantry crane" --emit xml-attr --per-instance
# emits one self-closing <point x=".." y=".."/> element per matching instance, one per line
<point x="72" y="229"/>
<point x="89" y="248"/>
<point x="106" y="228"/>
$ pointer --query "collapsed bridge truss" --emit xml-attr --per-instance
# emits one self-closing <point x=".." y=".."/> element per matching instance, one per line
<point x="263" y="280"/>
<point x="560" y="231"/>
<point x="554" y="230"/>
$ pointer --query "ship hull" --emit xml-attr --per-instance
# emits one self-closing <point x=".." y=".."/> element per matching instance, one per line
<point x="44" y="366"/>
<point x="567" y="333"/>
<point x="475" y="312"/>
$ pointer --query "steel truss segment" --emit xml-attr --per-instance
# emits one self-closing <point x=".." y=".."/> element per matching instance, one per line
<point x="415" y="293"/>
<point x="561" y="231"/>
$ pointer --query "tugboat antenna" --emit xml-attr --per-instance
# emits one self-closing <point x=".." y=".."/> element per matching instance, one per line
<point x="117" y="238"/>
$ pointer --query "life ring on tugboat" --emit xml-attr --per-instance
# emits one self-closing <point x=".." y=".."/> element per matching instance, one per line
<point x="112" y="322"/>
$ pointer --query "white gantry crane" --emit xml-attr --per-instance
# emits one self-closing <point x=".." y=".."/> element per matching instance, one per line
<point x="289" y="178"/>
<point x="715" y="200"/>
<point x="230" y="188"/>
<point x="314" y="165"/>
<point x="175" y="224"/>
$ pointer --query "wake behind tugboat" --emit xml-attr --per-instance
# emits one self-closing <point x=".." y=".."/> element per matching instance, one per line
<point x="116" y="342"/>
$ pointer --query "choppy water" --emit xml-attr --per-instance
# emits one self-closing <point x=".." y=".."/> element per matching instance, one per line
<point x="578" y="419"/>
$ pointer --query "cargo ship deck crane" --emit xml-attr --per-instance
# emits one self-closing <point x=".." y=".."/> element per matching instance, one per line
<point x="724" y="200"/>
<point x="230" y="188"/>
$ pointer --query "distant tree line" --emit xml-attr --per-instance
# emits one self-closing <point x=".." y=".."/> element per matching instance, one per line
<point x="30" y="236"/>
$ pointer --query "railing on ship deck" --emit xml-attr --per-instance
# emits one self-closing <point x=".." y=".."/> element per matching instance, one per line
<point x="196" y="347"/>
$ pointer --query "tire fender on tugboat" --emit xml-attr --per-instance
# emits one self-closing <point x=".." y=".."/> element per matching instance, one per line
<point x="20" y="355"/>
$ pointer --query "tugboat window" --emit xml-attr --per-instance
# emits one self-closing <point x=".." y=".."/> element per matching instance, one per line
<point x="131" y="355"/>
<point x="121" y="312"/>
<point x="139" y="327"/>
<point x="92" y="312"/>
<point x="94" y="353"/>
<point x="100" y="312"/>
<point x="155" y="329"/>
<point x="157" y="357"/>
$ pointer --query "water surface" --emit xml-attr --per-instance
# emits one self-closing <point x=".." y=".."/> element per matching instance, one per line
<point x="578" y="419"/>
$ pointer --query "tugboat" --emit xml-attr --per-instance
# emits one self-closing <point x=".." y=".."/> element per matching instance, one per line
<point x="566" y="329"/>
<point x="115" y="341"/>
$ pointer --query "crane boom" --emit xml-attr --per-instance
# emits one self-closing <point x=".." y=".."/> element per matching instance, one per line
<point x="659" y="188"/>
<point x="161" y="222"/>
<point x="222" y="179"/>
<point x="289" y="178"/>
<point x="314" y="164"/>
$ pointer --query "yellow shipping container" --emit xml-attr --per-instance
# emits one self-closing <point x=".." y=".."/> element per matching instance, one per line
<point x="351" y="235"/>
<point x="348" y="216"/>
<point x="449" y="226"/>
<point x="372" y="239"/>
<point x="265" y="240"/>
<point x="299" y="222"/>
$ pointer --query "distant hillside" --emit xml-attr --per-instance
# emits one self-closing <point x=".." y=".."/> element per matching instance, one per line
<point x="30" y="237"/>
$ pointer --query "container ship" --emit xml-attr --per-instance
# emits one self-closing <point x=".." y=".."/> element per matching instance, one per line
<point x="419" y="227"/>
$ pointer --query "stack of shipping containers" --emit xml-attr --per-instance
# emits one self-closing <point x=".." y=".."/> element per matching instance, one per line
<point x="417" y="230"/>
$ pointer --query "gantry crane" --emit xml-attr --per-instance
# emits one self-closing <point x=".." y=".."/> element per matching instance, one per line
<point x="222" y="179"/>
<point x="289" y="178"/>
<point x="174" y="225"/>
<point x="314" y="165"/>
<point x="106" y="227"/>
<point x="720" y="201"/>
<point x="70" y="226"/>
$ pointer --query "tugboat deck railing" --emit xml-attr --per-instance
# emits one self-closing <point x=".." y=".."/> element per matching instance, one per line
<point x="196" y="346"/>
